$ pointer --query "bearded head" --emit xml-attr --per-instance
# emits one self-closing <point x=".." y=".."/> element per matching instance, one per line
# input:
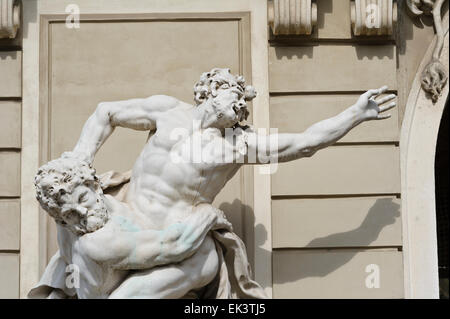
<point x="69" y="191"/>
<point x="226" y="93"/>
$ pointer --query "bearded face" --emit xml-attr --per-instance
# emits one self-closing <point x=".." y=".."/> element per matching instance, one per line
<point x="227" y="94"/>
<point x="68" y="189"/>
<point x="229" y="106"/>
<point x="83" y="210"/>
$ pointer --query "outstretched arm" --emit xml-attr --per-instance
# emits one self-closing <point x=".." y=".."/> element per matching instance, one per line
<point x="149" y="248"/>
<point x="288" y="147"/>
<point x="137" y="114"/>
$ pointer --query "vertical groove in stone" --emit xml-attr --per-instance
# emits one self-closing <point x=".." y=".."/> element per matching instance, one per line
<point x="292" y="16"/>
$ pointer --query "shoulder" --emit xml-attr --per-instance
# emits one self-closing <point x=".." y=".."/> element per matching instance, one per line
<point x="94" y="245"/>
<point x="163" y="101"/>
<point x="86" y="243"/>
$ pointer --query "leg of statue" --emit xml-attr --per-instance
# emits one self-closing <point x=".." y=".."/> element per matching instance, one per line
<point x="174" y="280"/>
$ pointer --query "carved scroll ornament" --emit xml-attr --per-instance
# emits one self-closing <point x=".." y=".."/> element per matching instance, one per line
<point x="9" y="18"/>
<point x="292" y="16"/>
<point x="434" y="76"/>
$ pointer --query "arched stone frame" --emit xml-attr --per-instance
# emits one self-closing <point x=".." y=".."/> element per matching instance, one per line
<point x="418" y="141"/>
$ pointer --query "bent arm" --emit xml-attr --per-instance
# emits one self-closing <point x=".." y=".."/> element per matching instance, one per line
<point x="287" y="147"/>
<point x="149" y="248"/>
<point x="152" y="248"/>
<point x="137" y="114"/>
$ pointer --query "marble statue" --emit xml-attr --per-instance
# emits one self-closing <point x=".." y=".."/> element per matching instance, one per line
<point x="157" y="234"/>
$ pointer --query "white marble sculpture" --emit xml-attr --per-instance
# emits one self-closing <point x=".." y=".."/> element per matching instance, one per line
<point x="162" y="214"/>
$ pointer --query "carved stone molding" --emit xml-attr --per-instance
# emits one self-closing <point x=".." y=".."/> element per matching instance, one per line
<point x="9" y="18"/>
<point x="373" y="17"/>
<point x="434" y="76"/>
<point x="292" y="16"/>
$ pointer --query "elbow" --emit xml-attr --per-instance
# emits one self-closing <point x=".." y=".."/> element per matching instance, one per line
<point x="103" y="112"/>
<point x="312" y="142"/>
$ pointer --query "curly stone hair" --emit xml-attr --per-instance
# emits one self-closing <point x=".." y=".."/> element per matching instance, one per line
<point x="210" y="81"/>
<point x="59" y="177"/>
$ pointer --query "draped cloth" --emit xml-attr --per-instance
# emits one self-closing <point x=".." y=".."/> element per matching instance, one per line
<point x="233" y="280"/>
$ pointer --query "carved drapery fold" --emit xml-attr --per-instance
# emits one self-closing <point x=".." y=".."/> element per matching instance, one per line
<point x="292" y="16"/>
<point x="373" y="17"/>
<point x="434" y="76"/>
<point x="9" y="18"/>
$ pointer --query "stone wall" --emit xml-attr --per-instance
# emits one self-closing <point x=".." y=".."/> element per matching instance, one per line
<point x="10" y="160"/>
<point x="337" y="216"/>
<point x="332" y="217"/>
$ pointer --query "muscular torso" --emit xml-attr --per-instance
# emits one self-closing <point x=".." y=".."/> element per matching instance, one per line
<point x="166" y="184"/>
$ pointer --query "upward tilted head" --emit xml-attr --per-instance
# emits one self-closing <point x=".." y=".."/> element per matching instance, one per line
<point x="226" y="94"/>
<point x="69" y="191"/>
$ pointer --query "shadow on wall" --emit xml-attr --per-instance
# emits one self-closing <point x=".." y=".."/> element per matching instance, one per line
<point x="323" y="6"/>
<point x="11" y="55"/>
<point x="299" y="52"/>
<point x="384" y="212"/>
<point x="31" y="17"/>
<point x="407" y="22"/>
<point x="361" y="52"/>
<point x="368" y="52"/>
<point x="238" y="212"/>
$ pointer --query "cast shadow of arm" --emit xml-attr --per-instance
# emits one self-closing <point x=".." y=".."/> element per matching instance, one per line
<point x="383" y="213"/>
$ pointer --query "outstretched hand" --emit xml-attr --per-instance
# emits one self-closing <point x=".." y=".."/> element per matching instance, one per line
<point x="371" y="108"/>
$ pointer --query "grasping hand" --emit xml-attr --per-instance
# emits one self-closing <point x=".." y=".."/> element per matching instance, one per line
<point x="371" y="109"/>
<point x="182" y="239"/>
<point x="207" y="211"/>
<point x="222" y="221"/>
